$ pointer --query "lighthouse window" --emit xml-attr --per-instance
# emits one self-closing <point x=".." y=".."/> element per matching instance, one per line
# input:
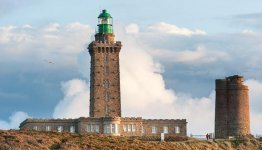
<point x="106" y="70"/>
<point x="106" y="59"/>
<point x="104" y="21"/>
<point x="106" y="96"/>
<point x="106" y="113"/>
<point x="106" y="84"/>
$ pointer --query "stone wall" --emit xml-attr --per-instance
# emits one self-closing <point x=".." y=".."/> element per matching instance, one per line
<point x="174" y="126"/>
<point x="84" y="122"/>
<point x="52" y="124"/>
<point x="129" y="126"/>
<point x="105" y="99"/>
<point x="238" y="107"/>
<point x="221" y="109"/>
<point x="232" y="108"/>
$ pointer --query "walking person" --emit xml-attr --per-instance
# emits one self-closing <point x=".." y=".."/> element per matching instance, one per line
<point x="207" y="136"/>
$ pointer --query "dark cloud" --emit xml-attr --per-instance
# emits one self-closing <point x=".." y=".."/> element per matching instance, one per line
<point x="33" y="92"/>
<point x="28" y="81"/>
<point x="223" y="55"/>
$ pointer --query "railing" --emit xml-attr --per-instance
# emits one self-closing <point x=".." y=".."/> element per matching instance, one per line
<point x="202" y="137"/>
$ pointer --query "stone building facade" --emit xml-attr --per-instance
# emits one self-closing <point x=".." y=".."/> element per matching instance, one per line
<point x="232" y="108"/>
<point x="110" y="125"/>
<point x="105" y="97"/>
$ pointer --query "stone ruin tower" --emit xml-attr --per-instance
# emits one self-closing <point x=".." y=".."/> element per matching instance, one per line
<point x="232" y="108"/>
<point x="104" y="75"/>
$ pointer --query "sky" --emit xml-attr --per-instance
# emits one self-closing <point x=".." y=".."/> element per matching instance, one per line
<point x="172" y="53"/>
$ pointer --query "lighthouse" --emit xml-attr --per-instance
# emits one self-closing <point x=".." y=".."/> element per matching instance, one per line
<point x="105" y="98"/>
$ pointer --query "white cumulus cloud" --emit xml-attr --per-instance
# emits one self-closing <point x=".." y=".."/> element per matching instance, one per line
<point x="144" y="92"/>
<point x="199" y="55"/>
<point x="166" y="28"/>
<point x="255" y="92"/>
<point x="53" y="27"/>
<point x="132" y="28"/>
<point x="14" y="120"/>
<point x="75" y="103"/>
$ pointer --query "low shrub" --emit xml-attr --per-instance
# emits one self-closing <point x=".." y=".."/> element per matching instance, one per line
<point x="168" y="138"/>
<point x="236" y="142"/>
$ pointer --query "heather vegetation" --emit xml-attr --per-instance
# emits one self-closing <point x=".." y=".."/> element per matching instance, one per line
<point x="23" y="139"/>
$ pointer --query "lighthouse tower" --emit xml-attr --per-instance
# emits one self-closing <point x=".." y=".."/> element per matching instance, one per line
<point x="105" y="101"/>
<point x="105" y="98"/>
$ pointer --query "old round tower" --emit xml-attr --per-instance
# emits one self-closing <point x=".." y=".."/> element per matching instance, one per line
<point x="105" y="96"/>
<point x="232" y="107"/>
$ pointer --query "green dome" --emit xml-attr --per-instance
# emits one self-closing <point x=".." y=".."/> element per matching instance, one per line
<point x="104" y="14"/>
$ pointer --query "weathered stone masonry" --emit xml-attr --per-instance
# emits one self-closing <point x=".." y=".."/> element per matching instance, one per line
<point x="232" y="107"/>
<point x="110" y="125"/>
<point x="105" y="79"/>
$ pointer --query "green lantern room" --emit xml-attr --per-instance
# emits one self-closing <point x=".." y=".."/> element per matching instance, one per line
<point x="105" y="22"/>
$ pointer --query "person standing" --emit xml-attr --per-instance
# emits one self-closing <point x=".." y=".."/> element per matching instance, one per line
<point x="207" y="136"/>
